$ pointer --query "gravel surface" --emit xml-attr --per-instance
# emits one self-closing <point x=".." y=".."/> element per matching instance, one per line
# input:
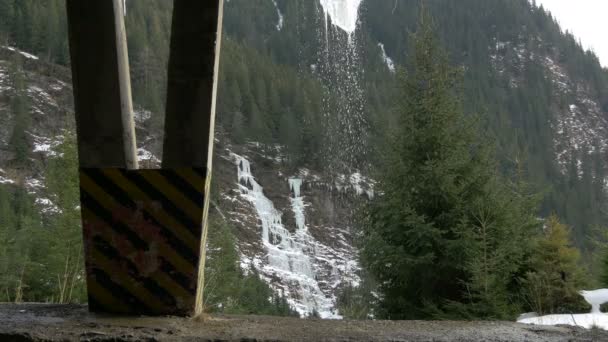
<point x="40" y="322"/>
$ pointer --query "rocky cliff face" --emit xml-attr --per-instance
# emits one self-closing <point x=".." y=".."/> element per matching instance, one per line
<point x="49" y="96"/>
<point x="579" y="125"/>
<point x="295" y="227"/>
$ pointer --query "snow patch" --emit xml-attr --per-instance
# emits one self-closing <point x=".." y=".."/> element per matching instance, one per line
<point x="48" y="207"/>
<point x="45" y="145"/>
<point x="594" y="319"/>
<point x="596" y="298"/>
<point x="33" y="185"/>
<point x="22" y="53"/>
<point x="41" y="97"/>
<point x="586" y="321"/>
<point x="5" y="180"/>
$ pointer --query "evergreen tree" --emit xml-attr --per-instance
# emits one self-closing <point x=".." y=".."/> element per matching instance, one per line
<point x="556" y="276"/>
<point x="66" y="261"/>
<point x="442" y="238"/>
<point x="357" y="302"/>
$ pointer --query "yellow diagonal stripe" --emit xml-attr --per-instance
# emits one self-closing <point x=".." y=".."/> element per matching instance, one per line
<point x="196" y="181"/>
<point x="166" y="251"/>
<point x="135" y="288"/>
<point x="194" y="210"/>
<point x="160" y="215"/>
<point x="160" y="277"/>
<point x="97" y="192"/>
<point x="176" y="290"/>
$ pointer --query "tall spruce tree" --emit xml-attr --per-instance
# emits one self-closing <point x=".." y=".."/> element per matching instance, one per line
<point x="448" y="235"/>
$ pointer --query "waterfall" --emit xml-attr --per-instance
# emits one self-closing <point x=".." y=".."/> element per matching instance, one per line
<point x="288" y="254"/>
<point x="340" y="69"/>
<point x="304" y="269"/>
<point x="343" y="13"/>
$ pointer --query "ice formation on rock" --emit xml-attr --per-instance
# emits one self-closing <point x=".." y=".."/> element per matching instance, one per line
<point x="390" y="64"/>
<point x="297" y="203"/>
<point x="288" y="254"/>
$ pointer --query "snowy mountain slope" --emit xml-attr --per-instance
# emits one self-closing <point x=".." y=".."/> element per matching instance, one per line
<point x="579" y="124"/>
<point x="296" y="226"/>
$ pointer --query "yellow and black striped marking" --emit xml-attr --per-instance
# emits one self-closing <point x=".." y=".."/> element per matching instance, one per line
<point x="142" y="233"/>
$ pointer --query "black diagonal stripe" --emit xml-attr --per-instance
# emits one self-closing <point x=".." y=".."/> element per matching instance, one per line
<point x="124" y="199"/>
<point x="201" y="172"/>
<point x="168" y="205"/>
<point x="184" y="187"/>
<point x="95" y="305"/>
<point x="156" y="290"/>
<point x="90" y="203"/>
<point x="121" y="294"/>
<point x="187" y="283"/>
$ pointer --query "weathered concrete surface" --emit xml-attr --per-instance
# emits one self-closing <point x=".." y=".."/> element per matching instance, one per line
<point x="101" y="83"/>
<point x="39" y="322"/>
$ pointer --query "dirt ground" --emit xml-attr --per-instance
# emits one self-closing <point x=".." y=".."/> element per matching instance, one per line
<point x="40" y="322"/>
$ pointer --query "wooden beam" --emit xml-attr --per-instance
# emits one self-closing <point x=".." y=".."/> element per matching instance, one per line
<point x="102" y="88"/>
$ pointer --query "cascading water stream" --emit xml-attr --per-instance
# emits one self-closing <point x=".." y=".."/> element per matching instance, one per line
<point x="341" y="71"/>
<point x="288" y="254"/>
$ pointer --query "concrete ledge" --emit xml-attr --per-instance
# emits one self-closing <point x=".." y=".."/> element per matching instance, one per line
<point x="40" y="322"/>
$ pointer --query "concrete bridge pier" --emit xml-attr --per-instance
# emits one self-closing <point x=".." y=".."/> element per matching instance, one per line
<point x="144" y="230"/>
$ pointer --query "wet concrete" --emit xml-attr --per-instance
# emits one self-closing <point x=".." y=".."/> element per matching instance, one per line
<point x="40" y="322"/>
